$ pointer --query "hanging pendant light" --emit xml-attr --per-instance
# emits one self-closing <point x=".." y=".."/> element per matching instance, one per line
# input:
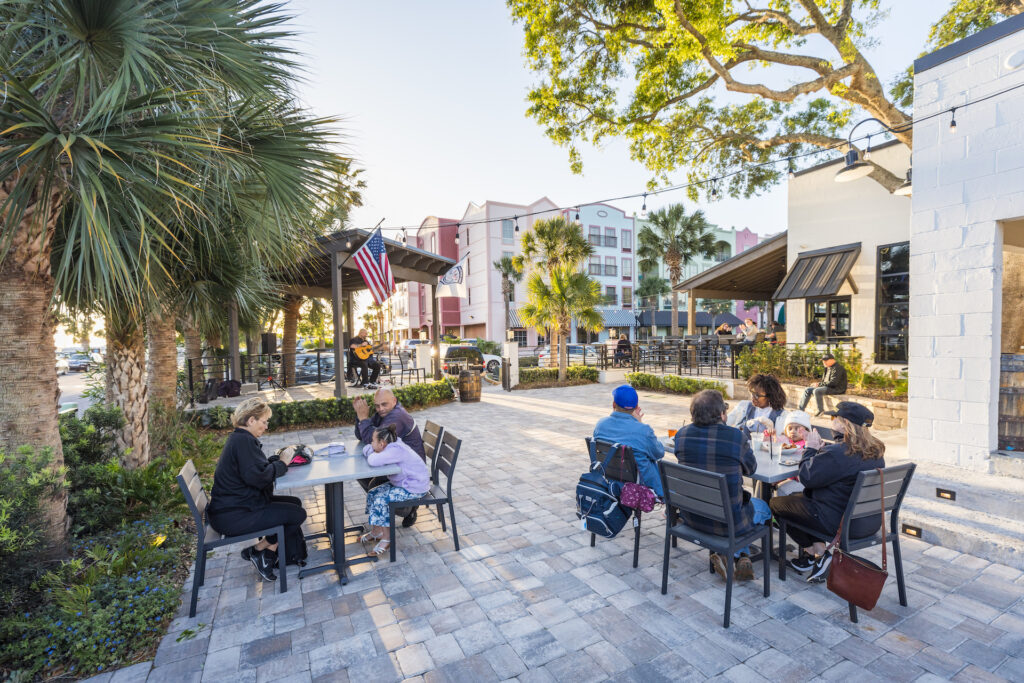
<point x="952" y="121"/>
<point x="906" y="189"/>
<point x="855" y="169"/>
<point x="517" y="223"/>
<point x="643" y="209"/>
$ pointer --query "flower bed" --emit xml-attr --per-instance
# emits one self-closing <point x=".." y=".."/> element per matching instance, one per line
<point x="672" y="384"/>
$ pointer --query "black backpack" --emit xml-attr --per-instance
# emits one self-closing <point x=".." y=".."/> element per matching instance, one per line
<point x="229" y="388"/>
<point x="597" y="504"/>
<point x="209" y="391"/>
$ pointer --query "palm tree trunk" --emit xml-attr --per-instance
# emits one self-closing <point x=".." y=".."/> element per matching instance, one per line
<point x="563" y="356"/>
<point x="193" y="350"/>
<point x="214" y="360"/>
<point x="126" y="369"/>
<point x="675" y="311"/>
<point x="28" y="380"/>
<point x="162" y="364"/>
<point x="292" y="304"/>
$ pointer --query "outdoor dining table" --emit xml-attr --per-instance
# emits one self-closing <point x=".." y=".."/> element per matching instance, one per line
<point x="332" y="472"/>
<point x="770" y="467"/>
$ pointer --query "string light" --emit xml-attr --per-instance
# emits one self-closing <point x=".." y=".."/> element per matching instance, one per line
<point x="771" y="162"/>
<point x="867" y="152"/>
<point x="517" y="223"/>
<point x="643" y="209"/>
<point x="952" y="121"/>
<point x="792" y="168"/>
<point x="577" y="214"/>
<point x="714" y="189"/>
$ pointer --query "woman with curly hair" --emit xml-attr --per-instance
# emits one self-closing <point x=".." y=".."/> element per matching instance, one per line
<point x="765" y="411"/>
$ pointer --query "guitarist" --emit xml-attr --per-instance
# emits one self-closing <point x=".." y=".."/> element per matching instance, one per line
<point x="360" y="357"/>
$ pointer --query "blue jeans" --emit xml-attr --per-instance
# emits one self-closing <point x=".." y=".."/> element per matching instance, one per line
<point x="762" y="513"/>
<point x="817" y="393"/>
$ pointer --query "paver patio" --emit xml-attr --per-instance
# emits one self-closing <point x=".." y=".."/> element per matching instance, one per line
<point x="527" y="598"/>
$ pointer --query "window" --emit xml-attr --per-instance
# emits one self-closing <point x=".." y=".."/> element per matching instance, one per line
<point x="627" y="240"/>
<point x="828" y="319"/>
<point x="433" y="243"/>
<point x="627" y="269"/>
<point x="893" y="302"/>
<point x="595" y="235"/>
<point x="508" y="254"/>
<point x="610" y="265"/>
<point x="609" y="237"/>
<point x="595" y="265"/>
<point x="469" y="296"/>
<point x="723" y="253"/>
<point x="610" y="299"/>
<point x="508" y="234"/>
<point x="627" y="297"/>
<point x="519" y="336"/>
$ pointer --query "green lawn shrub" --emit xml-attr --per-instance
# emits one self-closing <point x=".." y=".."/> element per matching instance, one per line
<point x="544" y="375"/>
<point x="672" y="384"/>
<point x="798" y="362"/>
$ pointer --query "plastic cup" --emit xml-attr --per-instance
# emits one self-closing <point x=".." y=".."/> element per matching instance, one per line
<point x="672" y="432"/>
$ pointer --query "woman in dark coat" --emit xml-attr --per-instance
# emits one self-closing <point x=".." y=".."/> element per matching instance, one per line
<point x="242" y="498"/>
<point x="828" y="474"/>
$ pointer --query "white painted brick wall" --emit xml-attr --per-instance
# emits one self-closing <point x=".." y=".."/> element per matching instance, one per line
<point x="969" y="181"/>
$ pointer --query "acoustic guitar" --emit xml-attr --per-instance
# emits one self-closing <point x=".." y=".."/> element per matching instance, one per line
<point x="365" y="351"/>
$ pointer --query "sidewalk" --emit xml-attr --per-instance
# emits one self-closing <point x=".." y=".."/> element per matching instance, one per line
<point x="527" y="598"/>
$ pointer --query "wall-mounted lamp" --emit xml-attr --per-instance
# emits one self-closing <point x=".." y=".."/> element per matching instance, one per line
<point x="855" y="169"/>
<point x="907" y="188"/>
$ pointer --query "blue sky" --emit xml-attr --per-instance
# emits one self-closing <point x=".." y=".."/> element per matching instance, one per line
<point x="432" y="97"/>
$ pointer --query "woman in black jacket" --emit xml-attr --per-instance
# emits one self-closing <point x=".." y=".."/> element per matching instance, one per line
<point x="242" y="498"/>
<point x="828" y="474"/>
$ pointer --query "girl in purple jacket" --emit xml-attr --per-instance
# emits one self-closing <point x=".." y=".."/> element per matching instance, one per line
<point x="411" y="483"/>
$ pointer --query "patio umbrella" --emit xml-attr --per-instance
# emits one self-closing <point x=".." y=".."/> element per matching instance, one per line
<point x="782" y="314"/>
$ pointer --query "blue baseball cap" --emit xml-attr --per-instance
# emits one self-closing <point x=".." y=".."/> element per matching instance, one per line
<point x="625" y="397"/>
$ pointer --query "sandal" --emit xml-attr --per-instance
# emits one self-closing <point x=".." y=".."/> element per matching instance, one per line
<point x="369" y="537"/>
<point x="381" y="548"/>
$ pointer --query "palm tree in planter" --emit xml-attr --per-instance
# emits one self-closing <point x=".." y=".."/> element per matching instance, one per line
<point x="510" y="275"/>
<point x="551" y="243"/>
<point x="676" y="238"/>
<point x="567" y="295"/>
<point x="112" y="112"/>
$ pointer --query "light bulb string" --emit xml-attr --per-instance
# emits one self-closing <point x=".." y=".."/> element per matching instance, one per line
<point x="713" y="181"/>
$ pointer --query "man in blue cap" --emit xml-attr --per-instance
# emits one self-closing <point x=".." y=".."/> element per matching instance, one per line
<point x="624" y="426"/>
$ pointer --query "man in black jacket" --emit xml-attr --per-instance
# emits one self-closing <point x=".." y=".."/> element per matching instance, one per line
<point x="834" y="382"/>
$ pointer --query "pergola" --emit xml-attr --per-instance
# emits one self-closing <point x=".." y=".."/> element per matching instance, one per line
<point x="329" y="273"/>
<point x="754" y="274"/>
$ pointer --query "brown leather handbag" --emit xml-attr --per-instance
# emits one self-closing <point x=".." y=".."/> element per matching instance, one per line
<point x="853" y="578"/>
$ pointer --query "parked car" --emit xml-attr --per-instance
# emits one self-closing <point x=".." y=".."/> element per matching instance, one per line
<point x="411" y="344"/>
<point x="465" y="354"/>
<point x="575" y="354"/>
<point x="62" y="366"/>
<point x="306" y="369"/>
<point x="80" y="362"/>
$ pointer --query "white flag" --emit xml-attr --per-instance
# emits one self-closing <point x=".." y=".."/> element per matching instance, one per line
<point x="453" y="283"/>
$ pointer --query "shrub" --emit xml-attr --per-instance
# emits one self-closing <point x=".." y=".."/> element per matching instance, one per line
<point x="96" y="610"/>
<point x="491" y="347"/>
<point x="586" y="373"/>
<point x="328" y="410"/>
<point x="528" y="361"/>
<point x="672" y="384"/>
<point x="798" y="362"/>
<point x="26" y="481"/>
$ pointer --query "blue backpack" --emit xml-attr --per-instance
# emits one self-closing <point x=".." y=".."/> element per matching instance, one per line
<point x="597" y="501"/>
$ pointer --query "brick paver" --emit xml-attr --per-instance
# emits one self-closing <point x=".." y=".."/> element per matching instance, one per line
<point x="528" y="598"/>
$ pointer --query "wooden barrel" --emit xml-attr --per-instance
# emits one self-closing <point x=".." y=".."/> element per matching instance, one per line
<point x="469" y="386"/>
<point x="1011" y="403"/>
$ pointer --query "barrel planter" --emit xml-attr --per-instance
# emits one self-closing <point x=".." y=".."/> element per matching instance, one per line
<point x="1011" y="403"/>
<point x="469" y="386"/>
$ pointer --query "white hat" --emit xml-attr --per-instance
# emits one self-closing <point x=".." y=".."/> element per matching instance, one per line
<point x="798" y="417"/>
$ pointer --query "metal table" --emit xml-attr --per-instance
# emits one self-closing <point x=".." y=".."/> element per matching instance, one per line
<point x="332" y="473"/>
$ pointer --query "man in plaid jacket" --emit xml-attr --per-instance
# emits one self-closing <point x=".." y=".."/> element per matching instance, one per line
<point x="709" y="444"/>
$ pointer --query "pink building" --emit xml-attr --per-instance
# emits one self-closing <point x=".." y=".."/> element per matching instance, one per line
<point x="437" y="236"/>
<point x="745" y="239"/>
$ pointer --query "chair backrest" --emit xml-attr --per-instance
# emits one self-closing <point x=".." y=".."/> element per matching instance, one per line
<point x="826" y="432"/>
<point x="759" y="337"/>
<point x="431" y="438"/>
<point x="865" y="499"/>
<point x="192" y="488"/>
<point x="446" y="455"/>
<point x="622" y="467"/>
<point x="688" y="489"/>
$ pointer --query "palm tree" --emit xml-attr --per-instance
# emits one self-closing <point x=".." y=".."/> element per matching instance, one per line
<point x="569" y="295"/>
<point x="652" y="287"/>
<point x="113" y="113"/>
<point x="675" y="238"/>
<point x="510" y="275"/>
<point x="550" y="243"/>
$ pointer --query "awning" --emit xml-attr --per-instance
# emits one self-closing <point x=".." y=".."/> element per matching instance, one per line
<point x="619" y="317"/>
<point x="513" y="319"/>
<point x="819" y="273"/>
<point x="752" y="274"/>
<point x="704" y="319"/>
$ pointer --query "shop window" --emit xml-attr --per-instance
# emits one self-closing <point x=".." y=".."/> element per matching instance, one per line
<point x="828" y="319"/>
<point x="892" y="313"/>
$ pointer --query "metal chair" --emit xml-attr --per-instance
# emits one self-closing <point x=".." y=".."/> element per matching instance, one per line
<point x="865" y="502"/>
<point x="432" y="433"/>
<point x="623" y="470"/>
<point x="406" y="369"/>
<point x="207" y="538"/>
<point x="703" y="493"/>
<point x="446" y="453"/>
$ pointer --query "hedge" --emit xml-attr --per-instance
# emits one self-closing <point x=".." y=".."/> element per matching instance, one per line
<point x="320" y="411"/>
<point x="672" y="384"/>
<point x="541" y="375"/>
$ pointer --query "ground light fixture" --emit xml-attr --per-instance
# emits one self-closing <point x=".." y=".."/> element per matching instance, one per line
<point x="855" y="169"/>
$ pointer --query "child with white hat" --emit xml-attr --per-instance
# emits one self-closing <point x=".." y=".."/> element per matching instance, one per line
<point x="796" y="429"/>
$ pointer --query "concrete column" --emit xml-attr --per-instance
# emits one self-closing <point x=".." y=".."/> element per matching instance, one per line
<point x="691" y="313"/>
<point x="437" y="332"/>
<point x="510" y="350"/>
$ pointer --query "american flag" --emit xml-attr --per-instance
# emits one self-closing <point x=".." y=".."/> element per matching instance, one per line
<point x="372" y="261"/>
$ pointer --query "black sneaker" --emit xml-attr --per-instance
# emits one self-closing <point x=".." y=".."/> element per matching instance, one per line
<point x="802" y="563"/>
<point x="264" y="561"/>
<point x="821" y="567"/>
<point x="409" y="519"/>
<point x="247" y="553"/>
